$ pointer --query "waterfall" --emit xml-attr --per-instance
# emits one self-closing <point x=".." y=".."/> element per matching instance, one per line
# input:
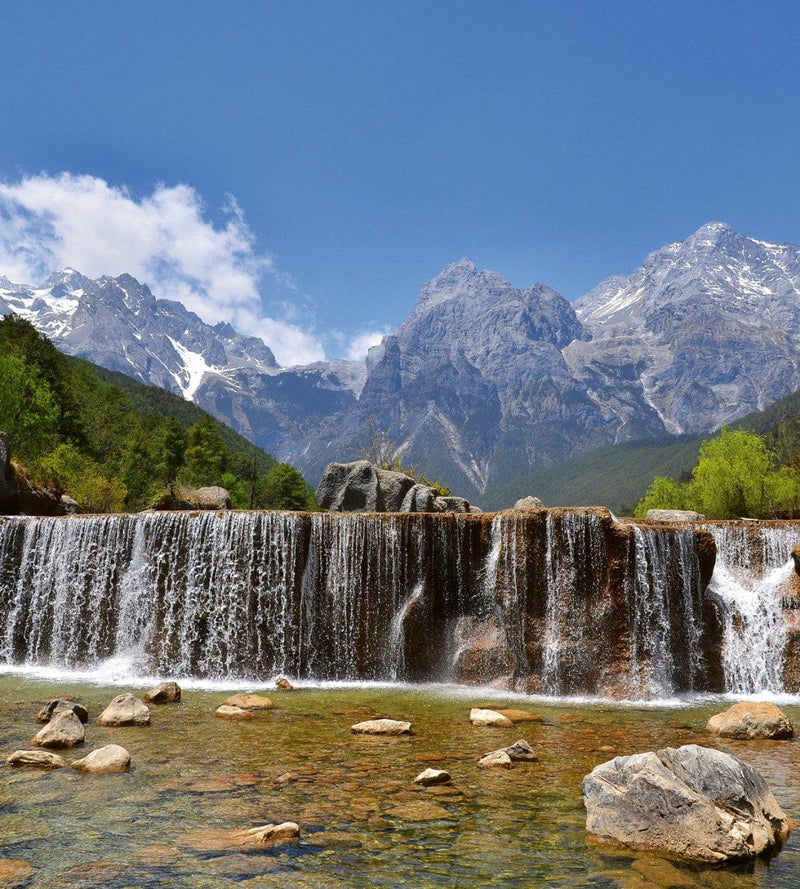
<point x="665" y="612"/>
<point x="753" y="568"/>
<point x="557" y="602"/>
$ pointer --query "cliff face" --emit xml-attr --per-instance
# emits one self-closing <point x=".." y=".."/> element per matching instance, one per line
<point x="558" y="602"/>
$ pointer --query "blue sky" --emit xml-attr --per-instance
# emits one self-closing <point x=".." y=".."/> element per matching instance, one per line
<point x="316" y="163"/>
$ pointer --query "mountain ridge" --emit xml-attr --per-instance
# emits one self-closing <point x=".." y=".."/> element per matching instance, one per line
<point x="482" y="381"/>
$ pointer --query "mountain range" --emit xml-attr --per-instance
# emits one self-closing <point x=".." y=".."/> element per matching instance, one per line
<point x="482" y="381"/>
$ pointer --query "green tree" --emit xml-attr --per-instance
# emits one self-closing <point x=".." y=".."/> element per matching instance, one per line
<point x="663" y="493"/>
<point x="285" y="488"/>
<point x="204" y="458"/>
<point x="67" y="469"/>
<point x="730" y="478"/>
<point x="29" y="412"/>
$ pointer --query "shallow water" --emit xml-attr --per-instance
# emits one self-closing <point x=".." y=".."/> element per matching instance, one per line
<point x="364" y="823"/>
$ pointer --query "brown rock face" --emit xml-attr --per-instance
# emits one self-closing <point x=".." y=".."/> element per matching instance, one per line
<point x="748" y="721"/>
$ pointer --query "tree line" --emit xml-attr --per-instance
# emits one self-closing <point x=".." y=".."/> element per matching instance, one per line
<point x="71" y="430"/>
<point x="737" y="475"/>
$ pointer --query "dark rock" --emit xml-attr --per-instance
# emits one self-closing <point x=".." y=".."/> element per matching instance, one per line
<point x="451" y="504"/>
<point x="349" y="487"/>
<point x="59" y="705"/>
<point x="691" y="802"/>
<point x="419" y="498"/>
<point x="393" y="487"/>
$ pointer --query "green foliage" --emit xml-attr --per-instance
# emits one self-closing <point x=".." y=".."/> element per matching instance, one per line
<point x="28" y="409"/>
<point x="66" y="469"/>
<point x="114" y="444"/>
<point x="736" y="475"/>
<point x="285" y="488"/>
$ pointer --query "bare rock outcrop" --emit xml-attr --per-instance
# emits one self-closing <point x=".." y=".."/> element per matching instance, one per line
<point x="691" y="802"/>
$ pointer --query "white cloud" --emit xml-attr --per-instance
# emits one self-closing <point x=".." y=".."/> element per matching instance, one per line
<point x="164" y="240"/>
<point x="362" y="343"/>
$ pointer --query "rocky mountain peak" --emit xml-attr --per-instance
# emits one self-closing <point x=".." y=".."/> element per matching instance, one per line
<point x="67" y="278"/>
<point x="460" y="280"/>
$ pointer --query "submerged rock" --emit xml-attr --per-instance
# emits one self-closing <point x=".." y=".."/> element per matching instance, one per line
<point x="211" y="840"/>
<point x="125" y="709"/>
<point x="163" y="693"/>
<point x="62" y="705"/>
<point x="692" y="802"/>
<point x="249" y="702"/>
<point x="15" y="872"/>
<point x="748" y="721"/>
<point x="226" y="711"/>
<point x="104" y="760"/>
<point x="63" y="730"/>
<point x="478" y="716"/>
<point x="39" y="759"/>
<point x="381" y="727"/>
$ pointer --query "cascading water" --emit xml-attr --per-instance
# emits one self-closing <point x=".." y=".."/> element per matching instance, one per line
<point x="753" y="567"/>
<point x="665" y="613"/>
<point x="557" y="602"/>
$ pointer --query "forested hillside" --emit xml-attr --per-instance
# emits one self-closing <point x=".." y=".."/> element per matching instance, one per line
<point x="114" y="444"/>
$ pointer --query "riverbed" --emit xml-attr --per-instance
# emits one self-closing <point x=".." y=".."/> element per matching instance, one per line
<point x="364" y="823"/>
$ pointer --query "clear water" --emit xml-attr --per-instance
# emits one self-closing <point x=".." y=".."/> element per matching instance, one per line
<point x="364" y="823"/>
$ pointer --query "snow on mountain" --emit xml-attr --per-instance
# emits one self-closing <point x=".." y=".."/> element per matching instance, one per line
<point x="482" y="380"/>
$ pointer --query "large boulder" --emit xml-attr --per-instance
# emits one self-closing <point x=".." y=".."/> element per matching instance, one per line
<point x="750" y="720"/>
<point x="213" y="497"/>
<point x="125" y="709"/>
<point x="452" y="504"/>
<point x="349" y="487"/>
<point x="691" y="802"/>
<point x="392" y="489"/>
<point x="419" y="498"/>
<point x="63" y="730"/>
<point x="104" y="760"/>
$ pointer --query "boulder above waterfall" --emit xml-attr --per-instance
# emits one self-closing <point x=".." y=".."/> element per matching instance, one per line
<point x="363" y="487"/>
<point x="751" y="720"/>
<point x="692" y="802"/>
